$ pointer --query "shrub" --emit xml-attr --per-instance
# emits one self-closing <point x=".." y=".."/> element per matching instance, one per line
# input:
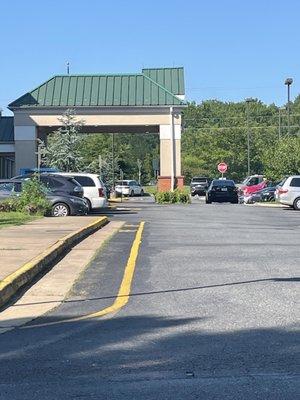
<point x="9" y="205"/>
<point x="33" y="198"/>
<point x="173" y="197"/>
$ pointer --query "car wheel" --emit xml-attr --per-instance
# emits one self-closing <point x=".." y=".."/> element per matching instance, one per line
<point x="207" y="201"/>
<point x="297" y="204"/>
<point x="132" y="193"/>
<point x="60" y="210"/>
<point x="89" y="204"/>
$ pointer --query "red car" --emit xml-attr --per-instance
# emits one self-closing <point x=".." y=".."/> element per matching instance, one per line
<point x="254" y="188"/>
<point x="252" y="184"/>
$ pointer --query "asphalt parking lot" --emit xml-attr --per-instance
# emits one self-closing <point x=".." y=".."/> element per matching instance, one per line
<point x="211" y="315"/>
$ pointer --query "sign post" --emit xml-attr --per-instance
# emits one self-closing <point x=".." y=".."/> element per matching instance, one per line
<point x="222" y="168"/>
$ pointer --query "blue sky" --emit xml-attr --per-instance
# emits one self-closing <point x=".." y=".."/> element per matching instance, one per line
<point x="230" y="49"/>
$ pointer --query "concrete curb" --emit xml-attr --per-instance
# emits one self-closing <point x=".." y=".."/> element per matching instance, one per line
<point x="13" y="282"/>
<point x="266" y="204"/>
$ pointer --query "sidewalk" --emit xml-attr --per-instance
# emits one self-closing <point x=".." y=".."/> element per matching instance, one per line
<point x="20" y="244"/>
<point x="50" y="291"/>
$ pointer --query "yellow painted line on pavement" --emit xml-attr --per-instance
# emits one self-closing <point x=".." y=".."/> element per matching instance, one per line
<point x="124" y="290"/>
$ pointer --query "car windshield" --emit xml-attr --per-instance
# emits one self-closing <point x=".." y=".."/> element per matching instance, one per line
<point x="6" y="187"/>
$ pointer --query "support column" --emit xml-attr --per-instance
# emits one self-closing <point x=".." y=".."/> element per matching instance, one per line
<point x="25" y="147"/>
<point x="165" y="177"/>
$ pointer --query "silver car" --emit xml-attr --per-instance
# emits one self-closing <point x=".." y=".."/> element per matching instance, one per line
<point x="288" y="193"/>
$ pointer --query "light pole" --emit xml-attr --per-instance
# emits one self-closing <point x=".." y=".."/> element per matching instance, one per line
<point x="288" y="82"/>
<point x="248" y="101"/>
<point x="279" y="121"/>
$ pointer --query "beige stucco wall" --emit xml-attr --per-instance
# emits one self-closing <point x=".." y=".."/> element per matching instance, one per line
<point x="139" y="117"/>
<point x="165" y="157"/>
<point x="26" y="122"/>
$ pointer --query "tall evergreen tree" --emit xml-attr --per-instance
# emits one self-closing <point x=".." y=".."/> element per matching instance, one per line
<point x="63" y="148"/>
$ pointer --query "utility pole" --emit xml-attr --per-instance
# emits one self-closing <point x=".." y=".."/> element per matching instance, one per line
<point x="279" y="121"/>
<point x="248" y="101"/>
<point x="139" y="164"/>
<point x="288" y="82"/>
<point x="121" y="178"/>
<point x="100" y="166"/>
<point x="39" y="159"/>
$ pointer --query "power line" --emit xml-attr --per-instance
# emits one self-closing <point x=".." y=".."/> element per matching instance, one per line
<point x="241" y="127"/>
<point x="253" y="116"/>
<point x="232" y="88"/>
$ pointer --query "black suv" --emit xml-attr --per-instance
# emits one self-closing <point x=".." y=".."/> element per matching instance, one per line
<point x="57" y="184"/>
<point x="199" y="185"/>
<point x="222" y="190"/>
<point x="62" y="205"/>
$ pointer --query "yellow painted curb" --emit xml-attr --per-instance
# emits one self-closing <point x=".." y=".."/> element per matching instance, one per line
<point x="124" y="290"/>
<point x="118" y="200"/>
<point x="13" y="282"/>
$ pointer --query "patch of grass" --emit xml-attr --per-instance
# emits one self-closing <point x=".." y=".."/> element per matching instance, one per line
<point x="15" y="218"/>
<point x="150" y="189"/>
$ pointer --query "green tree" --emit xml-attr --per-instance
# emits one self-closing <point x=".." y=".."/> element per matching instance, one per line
<point x="216" y="131"/>
<point x="283" y="158"/>
<point x="63" y="148"/>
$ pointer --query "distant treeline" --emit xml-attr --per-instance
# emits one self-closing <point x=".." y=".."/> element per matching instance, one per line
<point x="213" y="131"/>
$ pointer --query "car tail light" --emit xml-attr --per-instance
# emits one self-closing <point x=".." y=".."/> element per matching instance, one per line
<point x="101" y="192"/>
<point x="282" y="191"/>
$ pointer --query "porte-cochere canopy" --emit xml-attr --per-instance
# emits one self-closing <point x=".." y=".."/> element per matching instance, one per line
<point x="150" y="101"/>
<point x="153" y="87"/>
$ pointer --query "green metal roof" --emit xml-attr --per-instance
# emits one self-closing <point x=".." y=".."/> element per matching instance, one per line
<point x="170" y="78"/>
<point x="98" y="90"/>
<point x="6" y="129"/>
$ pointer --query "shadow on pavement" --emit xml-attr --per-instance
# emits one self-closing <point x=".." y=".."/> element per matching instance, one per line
<point x="149" y="353"/>
<point x="174" y="290"/>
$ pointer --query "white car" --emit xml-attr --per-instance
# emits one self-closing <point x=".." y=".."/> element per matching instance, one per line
<point x="129" y="188"/>
<point x="288" y="192"/>
<point x="94" y="190"/>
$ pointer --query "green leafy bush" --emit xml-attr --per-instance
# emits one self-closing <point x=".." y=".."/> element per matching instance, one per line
<point x="33" y="198"/>
<point x="169" y="197"/>
<point x="9" y="205"/>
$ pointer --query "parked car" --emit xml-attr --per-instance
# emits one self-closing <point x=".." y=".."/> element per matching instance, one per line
<point x="254" y="188"/>
<point x="266" y="194"/>
<point x="199" y="185"/>
<point x="57" y="184"/>
<point x="94" y="190"/>
<point x="222" y="190"/>
<point x="9" y="188"/>
<point x="62" y="205"/>
<point x="288" y="193"/>
<point x="128" y="188"/>
<point x="252" y="184"/>
<point x="251" y="181"/>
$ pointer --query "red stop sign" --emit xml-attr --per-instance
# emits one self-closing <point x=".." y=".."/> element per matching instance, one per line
<point x="222" y="167"/>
